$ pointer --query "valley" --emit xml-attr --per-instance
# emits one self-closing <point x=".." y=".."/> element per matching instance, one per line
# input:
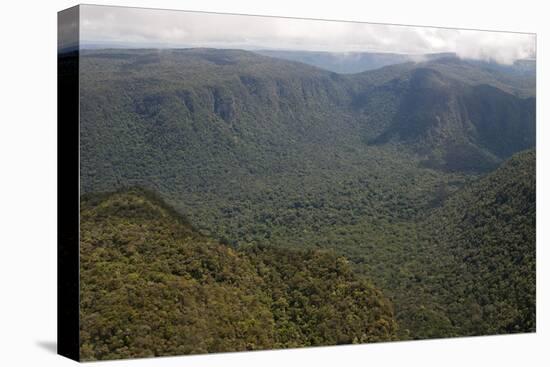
<point x="419" y="176"/>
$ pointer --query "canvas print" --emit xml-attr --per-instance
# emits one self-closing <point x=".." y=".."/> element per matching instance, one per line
<point x="250" y="183"/>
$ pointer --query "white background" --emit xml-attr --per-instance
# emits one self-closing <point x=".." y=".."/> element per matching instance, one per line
<point x="28" y="183"/>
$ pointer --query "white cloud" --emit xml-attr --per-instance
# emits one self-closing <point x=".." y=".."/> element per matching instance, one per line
<point x="169" y="28"/>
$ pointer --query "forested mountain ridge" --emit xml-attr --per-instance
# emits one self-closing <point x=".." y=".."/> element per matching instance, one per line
<point x="520" y="73"/>
<point x="460" y="127"/>
<point x="152" y="286"/>
<point x="490" y="227"/>
<point x="509" y="79"/>
<point x="472" y="269"/>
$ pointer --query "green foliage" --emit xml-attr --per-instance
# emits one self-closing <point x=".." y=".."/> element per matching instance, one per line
<point x="468" y="266"/>
<point x="489" y="229"/>
<point x="152" y="286"/>
<point x="459" y="127"/>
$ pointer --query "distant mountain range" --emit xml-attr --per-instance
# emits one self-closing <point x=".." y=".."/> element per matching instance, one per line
<point x="338" y="62"/>
<point x="349" y="62"/>
<point x="357" y="62"/>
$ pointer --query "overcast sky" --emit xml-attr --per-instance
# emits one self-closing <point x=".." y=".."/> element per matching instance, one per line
<point x="135" y="27"/>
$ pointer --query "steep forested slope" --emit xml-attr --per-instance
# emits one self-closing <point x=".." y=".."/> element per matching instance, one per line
<point x="489" y="228"/>
<point x="460" y="127"/>
<point x="470" y="267"/>
<point x="151" y="285"/>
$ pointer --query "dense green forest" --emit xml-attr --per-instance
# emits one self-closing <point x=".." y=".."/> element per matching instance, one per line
<point x="422" y="175"/>
<point x="468" y="267"/>
<point x="152" y="286"/>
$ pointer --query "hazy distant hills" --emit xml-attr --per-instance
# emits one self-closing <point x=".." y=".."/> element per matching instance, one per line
<point x="348" y="63"/>
<point x="260" y="150"/>
<point x="357" y="62"/>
